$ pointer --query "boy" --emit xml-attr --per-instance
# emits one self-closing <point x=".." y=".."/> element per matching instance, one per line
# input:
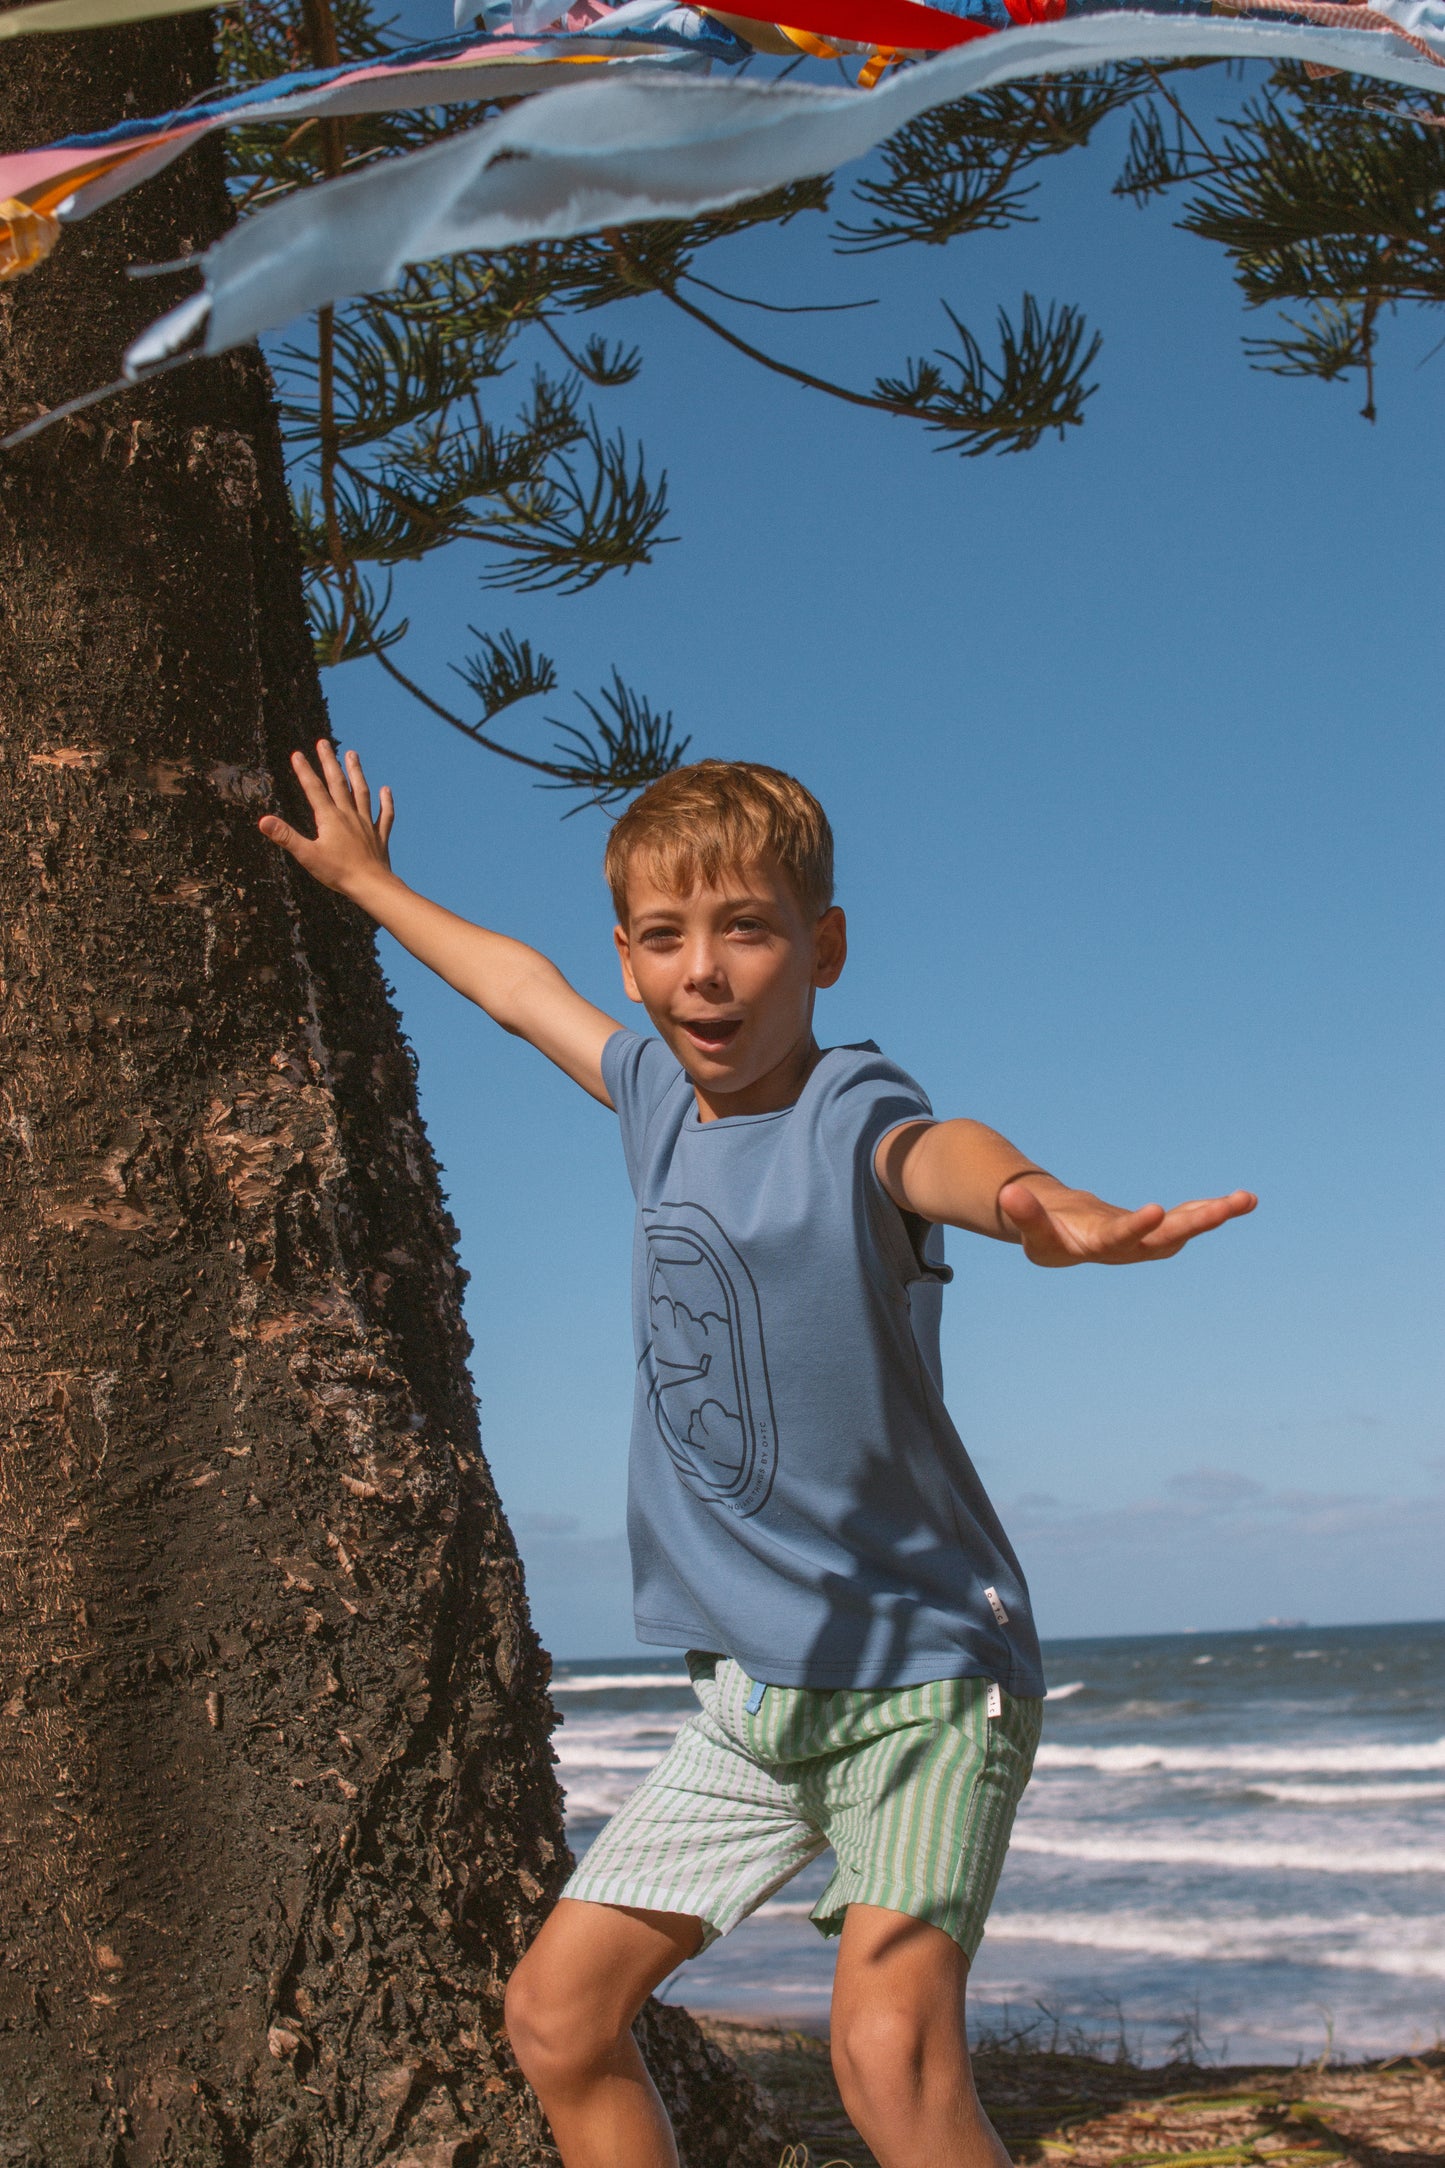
<point x="803" y="1518"/>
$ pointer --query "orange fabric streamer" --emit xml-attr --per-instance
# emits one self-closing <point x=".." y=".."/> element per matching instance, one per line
<point x="879" y="61"/>
<point x="26" y="237"/>
<point x="816" y="48"/>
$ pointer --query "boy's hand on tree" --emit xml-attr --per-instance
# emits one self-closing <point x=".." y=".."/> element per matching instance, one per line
<point x="1073" y="1227"/>
<point x="349" y="845"/>
<point x="523" y="991"/>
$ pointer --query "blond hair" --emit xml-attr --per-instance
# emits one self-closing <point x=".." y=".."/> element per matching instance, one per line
<point x="696" y="823"/>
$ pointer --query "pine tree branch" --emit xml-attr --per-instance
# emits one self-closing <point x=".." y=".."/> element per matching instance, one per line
<point x="1038" y="387"/>
<point x="503" y="671"/>
<point x="781" y="308"/>
<point x="778" y="367"/>
<point x="636" y="747"/>
<point x="455" y="721"/>
<point x="594" y="364"/>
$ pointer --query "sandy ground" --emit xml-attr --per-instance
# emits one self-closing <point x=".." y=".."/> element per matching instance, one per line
<point x="1064" y="2109"/>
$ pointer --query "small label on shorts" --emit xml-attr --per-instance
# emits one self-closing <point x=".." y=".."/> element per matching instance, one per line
<point x="995" y="1699"/>
<point x="754" y="1701"/>
<point x="995" y="1604"/>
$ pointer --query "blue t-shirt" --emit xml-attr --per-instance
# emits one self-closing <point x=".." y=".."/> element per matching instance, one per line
<point x="798" y="1498"/>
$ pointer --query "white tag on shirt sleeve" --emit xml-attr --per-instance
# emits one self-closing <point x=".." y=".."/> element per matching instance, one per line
<point x="995" y="1699"/>
<point x="995" y="1604"/>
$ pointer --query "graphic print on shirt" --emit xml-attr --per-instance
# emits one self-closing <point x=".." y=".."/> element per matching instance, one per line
<point x="706" y="1366"/>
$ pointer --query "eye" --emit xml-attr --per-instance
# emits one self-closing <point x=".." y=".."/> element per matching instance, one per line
<point x="657" y="937"/>
<point x="750" y="928"/>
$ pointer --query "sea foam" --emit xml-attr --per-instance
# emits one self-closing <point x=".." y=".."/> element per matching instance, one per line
<point x="1134" y="1848"/>
<point x="1368" y="1758"/>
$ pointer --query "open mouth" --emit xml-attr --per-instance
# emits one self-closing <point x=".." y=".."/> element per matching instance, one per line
<point x="711" y="1033"/>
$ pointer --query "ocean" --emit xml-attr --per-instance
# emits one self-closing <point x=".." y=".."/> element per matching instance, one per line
<point x="1233" y="1843"/>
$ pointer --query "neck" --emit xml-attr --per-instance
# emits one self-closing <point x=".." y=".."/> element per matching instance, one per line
<point x="776" y="1089"/>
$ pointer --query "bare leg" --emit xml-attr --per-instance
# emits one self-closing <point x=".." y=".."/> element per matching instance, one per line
<point x="900" y="2047"/>
<point x="570" y="2007"/>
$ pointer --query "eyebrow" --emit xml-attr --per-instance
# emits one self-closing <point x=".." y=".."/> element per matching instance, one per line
<point x="662" y="915"/>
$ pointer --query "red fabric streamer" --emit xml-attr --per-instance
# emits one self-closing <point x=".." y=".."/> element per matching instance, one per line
<point x="906" y="25"/>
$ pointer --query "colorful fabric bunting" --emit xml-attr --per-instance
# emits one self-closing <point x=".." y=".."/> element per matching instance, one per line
<point x="601" y="130"/>
<point x="68" y="179"/>
<point x="619" y="149"/>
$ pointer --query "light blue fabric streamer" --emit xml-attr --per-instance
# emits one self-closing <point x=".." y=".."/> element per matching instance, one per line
<point x="614" y="151"/>
<point x="531" y="17"/>
<point x="644" y="16"/>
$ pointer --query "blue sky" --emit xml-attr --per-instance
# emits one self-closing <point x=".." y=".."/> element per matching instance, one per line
<point x="1132" y="746"/>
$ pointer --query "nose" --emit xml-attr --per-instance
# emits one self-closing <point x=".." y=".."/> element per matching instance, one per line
<point x="704" y="965"/>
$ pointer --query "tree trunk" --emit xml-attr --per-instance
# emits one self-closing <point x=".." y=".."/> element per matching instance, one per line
<point x="276" y="1799"/>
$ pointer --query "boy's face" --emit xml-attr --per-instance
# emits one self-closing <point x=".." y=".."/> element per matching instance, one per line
<point x="727" y="975"/>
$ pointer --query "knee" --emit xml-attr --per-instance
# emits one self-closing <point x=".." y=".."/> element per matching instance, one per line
<point x="553" y="2035"/>
<point x="878" y="2056"/>
<point x="538" y="2021"/>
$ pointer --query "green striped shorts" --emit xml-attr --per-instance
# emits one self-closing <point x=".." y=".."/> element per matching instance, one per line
<point x="914" y="1787"/>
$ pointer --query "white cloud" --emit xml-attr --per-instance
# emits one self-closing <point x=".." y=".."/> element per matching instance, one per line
<point x="546" y="1524"/>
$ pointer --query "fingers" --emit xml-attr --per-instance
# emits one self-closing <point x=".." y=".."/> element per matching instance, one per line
<point x="1080" y="1230"/>
<point x="1123" y="1238"/>
<point x="350" y="792"/>
<point x="1132" y="1227"/>
<point x="317" y="795"/>
<point x="1200" y="1216"/>
<point x="338" y="789"/>
<point x="278" y="831"/>
<point x="360" y="788"/>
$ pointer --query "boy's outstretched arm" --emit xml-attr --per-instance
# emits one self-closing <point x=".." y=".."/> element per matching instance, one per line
<point x="966" y="1175"/>
<point x="518" y="987"/>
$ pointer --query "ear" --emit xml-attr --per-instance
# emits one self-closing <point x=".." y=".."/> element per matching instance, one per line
<point x="624" y="957"/>
<point x="830" y="947"/>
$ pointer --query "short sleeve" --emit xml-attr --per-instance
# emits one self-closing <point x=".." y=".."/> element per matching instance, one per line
<point x="869" y="1096"/>
<point x="866" y="1096"/>
<point x="638" y="1074"/>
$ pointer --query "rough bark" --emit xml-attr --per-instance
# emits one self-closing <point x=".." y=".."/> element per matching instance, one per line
<point x="277" y="1809"/>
